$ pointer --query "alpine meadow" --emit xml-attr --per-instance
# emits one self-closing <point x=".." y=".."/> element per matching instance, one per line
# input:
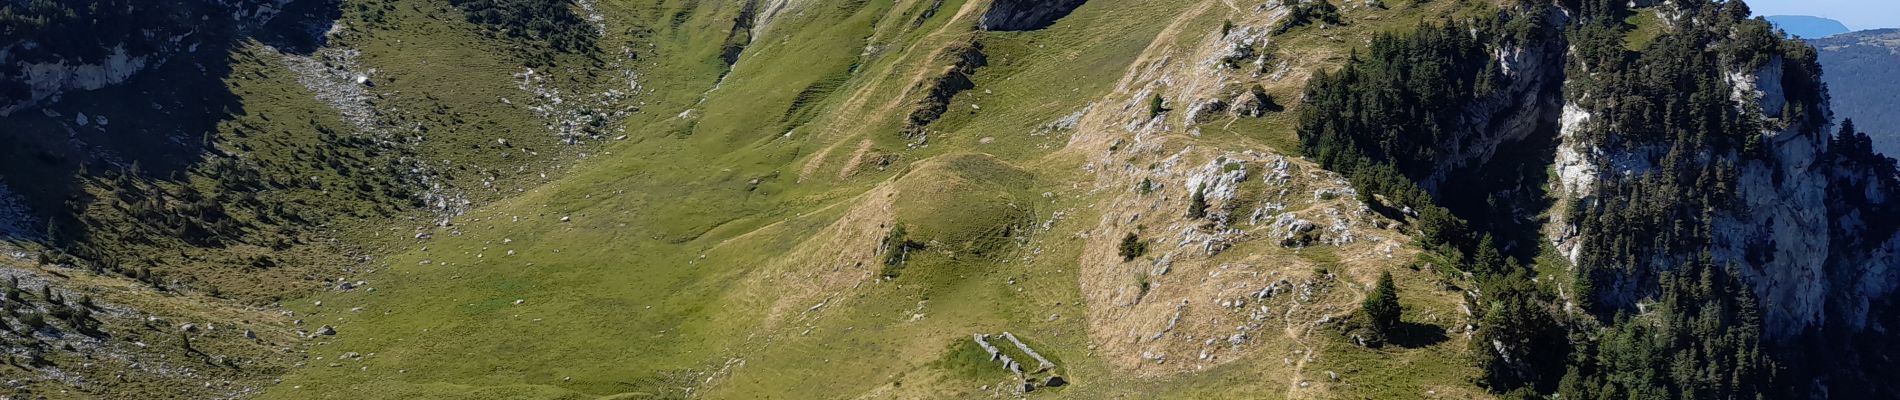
<point x="943" y="199"/>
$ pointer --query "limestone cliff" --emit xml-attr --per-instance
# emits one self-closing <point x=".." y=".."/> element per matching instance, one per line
<point x="1796" y="228"/>
<point x="1806" y="229"/>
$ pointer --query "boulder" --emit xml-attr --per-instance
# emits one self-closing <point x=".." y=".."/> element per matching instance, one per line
<point x="1304" y="226"/>
<point x="1204" y="111"/>
<point x="326" y="330"/>
<point x="1254" y="104"/>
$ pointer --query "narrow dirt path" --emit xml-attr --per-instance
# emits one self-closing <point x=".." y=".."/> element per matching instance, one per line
<point x="1302" y="333"/>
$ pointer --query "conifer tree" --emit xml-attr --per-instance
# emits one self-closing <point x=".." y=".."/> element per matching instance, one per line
<point x="1382" y="306"/>
<point x="1197" y="205"/>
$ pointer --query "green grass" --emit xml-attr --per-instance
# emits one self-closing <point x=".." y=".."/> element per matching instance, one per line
<point x="641" y="221"/>
<point x="966" y="358"/>
<point x="968" y="204"/>
<point x="1035" y="78"/>
<point x="1646" y="25"/>
<point x="1424" y="359"/>
<point x="626" y="274"/>
<point x="684" y="239"/>
<point x="241" y="105"/>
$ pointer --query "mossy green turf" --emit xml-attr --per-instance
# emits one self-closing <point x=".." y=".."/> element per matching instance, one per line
<point x="1647" y="25"/>
<point x="639" y="293"/>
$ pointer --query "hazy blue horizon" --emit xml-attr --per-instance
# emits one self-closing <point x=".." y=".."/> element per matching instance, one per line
<point x="1856" y="14"/>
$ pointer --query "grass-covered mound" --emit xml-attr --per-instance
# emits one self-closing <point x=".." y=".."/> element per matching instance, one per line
<point x="964" y="205"/>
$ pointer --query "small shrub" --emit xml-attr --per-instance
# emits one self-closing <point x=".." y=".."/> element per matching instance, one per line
<point x="1133" y="247"/>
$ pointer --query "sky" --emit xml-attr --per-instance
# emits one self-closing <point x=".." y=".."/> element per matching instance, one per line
<point x="1857" y="14"/>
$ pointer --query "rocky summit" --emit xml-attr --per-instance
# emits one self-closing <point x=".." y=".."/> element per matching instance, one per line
<point x="629" y="199"/>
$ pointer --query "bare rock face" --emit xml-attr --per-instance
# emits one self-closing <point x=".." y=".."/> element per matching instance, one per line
<point x="1795" y="237"/>
<point x="32" y="72"/>
<point x="1025" y="15"/>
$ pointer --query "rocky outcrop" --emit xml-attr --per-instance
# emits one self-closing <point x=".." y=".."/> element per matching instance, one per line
<point x="1530" y="101"/>
<point x="1817" y="233"/>
<point x="47" y="79"/>
<point x="1779" y="236"/>
<point x="741" y="34"/>
<point x="965" y="59"/>
<point x="1805" y="248"/>
<point x="1802" y="241"/>
<point x="1024" y="15"/>
<point x="36" y="74"/>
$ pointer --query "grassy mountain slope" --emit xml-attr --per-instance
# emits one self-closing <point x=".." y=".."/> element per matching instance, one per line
<point x="730" y="248"/>
<point x="475" y="199"/>
<point x="258" y="165"/>
<point x="830" y="199"/>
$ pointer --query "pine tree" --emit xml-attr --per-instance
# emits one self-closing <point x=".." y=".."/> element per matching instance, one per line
<point x="1197" y="205"/>
<point x="1155" y="106"/>
<point x="1382" y="306"/>
<point x="1487" y="259"/>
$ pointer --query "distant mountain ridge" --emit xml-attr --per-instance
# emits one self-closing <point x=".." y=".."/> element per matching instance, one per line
<point x="1860" y="70"/>
<point x="1808" y="27"/>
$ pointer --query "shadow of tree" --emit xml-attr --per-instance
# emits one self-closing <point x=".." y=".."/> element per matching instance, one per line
<point x="1270" y="105"/>
<point x="1413" y="335"/>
